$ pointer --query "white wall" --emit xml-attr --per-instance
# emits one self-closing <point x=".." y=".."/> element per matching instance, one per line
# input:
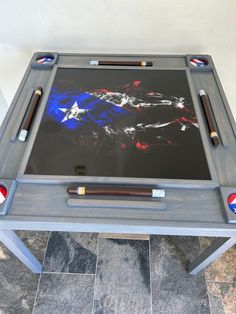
<point x="3" y="107"/>
<point x="121" y="26"/>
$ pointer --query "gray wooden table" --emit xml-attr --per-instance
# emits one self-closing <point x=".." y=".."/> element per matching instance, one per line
<point x="192" y="208"/>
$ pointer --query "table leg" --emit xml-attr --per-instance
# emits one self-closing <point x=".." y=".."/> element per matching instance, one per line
<point x="218" y="247"/>
<point x="18" y="248"/>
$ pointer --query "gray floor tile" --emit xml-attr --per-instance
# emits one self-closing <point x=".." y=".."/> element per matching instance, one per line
<point x="71" y="253"/>
<point x="122" y="284"/>
<point x="36" y="241"/>
<point x="173" y="290"/>
<point x="215" y="298"/>
<point x="18" y="285"/>
<point x="222" y="296"/>
<point x="65" y="294"/>
<point x="223" y="269"/>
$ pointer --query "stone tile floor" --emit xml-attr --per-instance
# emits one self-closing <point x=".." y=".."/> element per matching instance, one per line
<point x="84" y="273"/>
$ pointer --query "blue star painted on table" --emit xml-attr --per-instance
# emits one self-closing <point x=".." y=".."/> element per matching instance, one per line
<point x="78" y="109"/>
<point x="74" y="112"/>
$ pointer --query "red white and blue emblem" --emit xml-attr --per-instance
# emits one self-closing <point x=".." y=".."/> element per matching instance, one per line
<point x="3" y="194"/>
<point x="45" y="59"/>
<point x="231" y="200"/>
<point x="199" y="63"/>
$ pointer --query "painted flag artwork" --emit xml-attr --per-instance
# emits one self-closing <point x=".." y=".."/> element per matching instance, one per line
<point x="119" y="123"/>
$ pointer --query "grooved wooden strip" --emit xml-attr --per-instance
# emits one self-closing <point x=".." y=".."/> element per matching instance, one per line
<point x="21" y="114"/>
<point x="207" y="82"/>
<point x="124" y="236"/>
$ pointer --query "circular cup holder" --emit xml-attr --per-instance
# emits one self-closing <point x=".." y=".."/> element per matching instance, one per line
<point x="198" y="62"/>
<point x="231" y="200"/>
<point x="45" y="59"/>
<point x="3" y="194"/>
